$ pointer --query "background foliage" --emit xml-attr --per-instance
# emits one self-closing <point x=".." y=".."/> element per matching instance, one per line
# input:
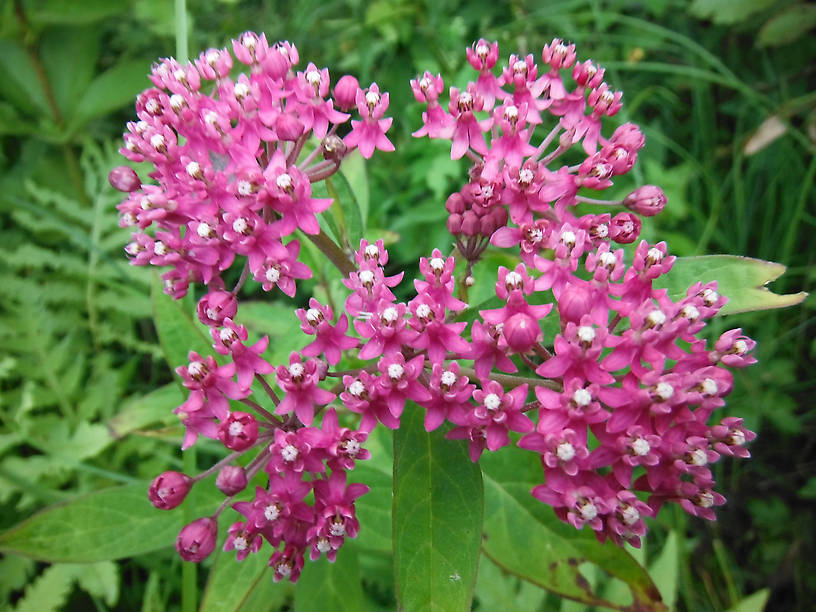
<point x="723" y="91"/>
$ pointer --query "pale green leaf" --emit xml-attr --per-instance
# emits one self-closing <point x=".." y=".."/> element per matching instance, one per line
<point x="111" y="90"/>
<point x="330" y="586"/>
<point x="753" y="603"/>
<point x="100" y="580"/>
<point x="741" y="279"/>
<point x="665" y="569"/>
<point x="230" y="583"/>
<point x="48" y="592"/>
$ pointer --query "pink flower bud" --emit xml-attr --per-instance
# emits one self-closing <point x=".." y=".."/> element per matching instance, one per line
<point x="648" y="200"/>
<point x="216" y="306"/>
<point x="238" y="431"/>
<point x="454" y="224"/>
<point x="345" y="92"/>
<point x="624" y="228"/>
<point x="470" y="224"/>
<point x="169" y="489"/>
<point x="521" y="331"/>
<point x="196" y="541"/>
<point x="231" y="479"/>
<point x="455" y="203"/>
<point x="288" y="127"/>
<point x="124" y="178"/>
<point x="575" y="303"/>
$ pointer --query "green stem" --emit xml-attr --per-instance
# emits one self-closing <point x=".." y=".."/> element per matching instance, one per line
<point x="189" y="581"/>
<point x="335" y="254"/>
<point x="514" y="381"/>
<point x="181" y="31"/>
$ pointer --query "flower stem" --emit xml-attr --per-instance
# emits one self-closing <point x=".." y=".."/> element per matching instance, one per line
<point x="515" y="381"/>
<point x="335" y="254"/>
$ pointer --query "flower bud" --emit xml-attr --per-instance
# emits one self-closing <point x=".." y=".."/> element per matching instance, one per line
<point x="454" y="224"/>
<point x="216" y="306"/>
<point x="231" y="479"/>
<point x="521" y="331"/>
<point x="648" y="200"/>
<point x="624" y="228"/>
<point x="169" y="489"/>
<point x="345" y="92"/>
<point x="288" y="127"/>
<point x="470" y="224"/>
<point x="455" y="203"/>
<point x="238" y="431"/>
<point x="124" y="178"/>
<point x="196" y="541"/>
<point x="333" y="148"/>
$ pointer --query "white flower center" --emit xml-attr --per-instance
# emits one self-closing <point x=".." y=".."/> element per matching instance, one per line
<point x="582" y="397"/>
<point x="244" y="188"/>
<point x="211" y="118"/>
<point x="366" y="277"/>
<point x="656" y="318"/>
<point x="240" y="225"/>
<point x="586" y="334"/>
<point x="289" y="453"/>
<point x="352" y="447"/>
<point x="526" y="176"/>
<point x="390" y="314"/>
<point x="372" y="98"/>
<point x="520" y="66"/>
<point x="698" y="457"/>
<point x="372" y="251"/>
<point x="710" y="297"/>
<point x="602" y="230"/>
<point x="323" y="545"/>
<point x="313" y="315"/>
<point x="160" y="248"/>
<point x="337" y="529"/>
<point x="141" y="127"/>
<point x="568" y="237"/>
<point x="356" y="388"/>
<point x="272" y="275"/>
<point x="204" y="230"/>
<point x="240" y="543"/>
<point x="640" y="447"/>
<point x="423" y="311"/>
<point x="630" y="515"/>
<point x="196" y="369"/>
<point x="194" y="169"/>
<point x="448" y="378"/>
<point x="511" y="113"/>
<point x="690" y="312"/>
<point x="395" y="371"/>
<point x="654" y="255"/>
<point x="152" y="106"/>
<point x="664" y="391"/>
<point x="236" y="428"/>
<point x="705" y="499"/>
<point x="241" y="90"/>
<point x="588" y="510"/>
<point x="284" y="181"/>
<point x="313" y="78"/>
<point x="227" y="336"/>
<point x="740" y="347"/>
<point x="565" y="451"/>
<point x="736" y="438"/>
<point x="492" y="402"/>
<point x="514" y="280"/>
<point x="437" y="264"/>
<point x="608" y="97"/>
<point x="157" y="141"/>
<point x="296" y="369"/>
<point x="482" y="50"/>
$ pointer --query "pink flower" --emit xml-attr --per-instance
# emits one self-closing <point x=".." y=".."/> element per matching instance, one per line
<point x="369" y="134"/>
<point x="299" y="381"/>
<point x="330" y="339"/>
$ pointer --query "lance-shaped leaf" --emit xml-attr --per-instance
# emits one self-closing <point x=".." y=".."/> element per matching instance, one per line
<point x="108" y="524"/>
<point x="741" y="279"/>
<point x="437" y="518"/>
<point x="330" y="586"/>
<point x="525" y="538"/>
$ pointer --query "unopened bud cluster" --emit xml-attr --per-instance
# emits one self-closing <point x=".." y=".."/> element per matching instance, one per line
<point x="617" y="403"/>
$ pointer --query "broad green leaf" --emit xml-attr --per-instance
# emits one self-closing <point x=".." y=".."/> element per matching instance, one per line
<point x="230" y="583"/>
<point x="108" y="524"/>
<point x="498" y="590"/>
<point x="525" y="538"/>
<point x="276" y="320"/>
<point x="48" y="591"/>
<point x="664" y="569"/>
<point x="753" y="603"/>
<point x="374" y="508"/>
<point x="178" y="332"/>
<point x="354" y="170"/>
<point x="741" y="279"/>
<point x="330" y="586"/>
<point x="728" y="11"/>
<point x="18" y="84"/>
<point x="437" y="517"/>
<point x="69" y="57"/>
<point x="787" y="26"/>
<point x="111" y="90"/>
<point x="155" y="407"/>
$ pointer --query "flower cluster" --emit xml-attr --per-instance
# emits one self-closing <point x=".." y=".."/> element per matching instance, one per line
<point x="617" y="403"/>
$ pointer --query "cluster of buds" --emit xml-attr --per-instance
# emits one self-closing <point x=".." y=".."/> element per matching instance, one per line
<point x="617" y="404"/>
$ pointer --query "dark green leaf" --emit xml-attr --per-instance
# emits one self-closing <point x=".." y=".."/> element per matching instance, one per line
<point x="741" y="279"/>
<point x="753" y="603"/>
<point x="787" y="26"/>
<point x="374" y="508"/>
<point x="108" y="524"/>
<point x="525" y="538"/>
<point x="69" y="58"/>
<point x="44" y="12"/>
<point x="437" y="516"/>
<point x="111" y="90"/>
<point x="330" y="586"/>
<point x="728" y="11"/>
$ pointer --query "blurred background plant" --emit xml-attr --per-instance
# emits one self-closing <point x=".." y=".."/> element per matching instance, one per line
<point x="723" y="91"/>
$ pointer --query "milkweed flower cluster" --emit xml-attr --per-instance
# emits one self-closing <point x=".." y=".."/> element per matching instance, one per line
<point x="617" y="403"/>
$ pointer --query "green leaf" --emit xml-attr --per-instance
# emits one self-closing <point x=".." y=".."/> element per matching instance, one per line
<point x="498" y="590"/>
<point x="664" y="570"/>
<point x="741" y="279"/>
<point x="100" y="580"/>
<point x="330" y="586"/>
<point x="230" y="583"/>
<point x="787" y="26"/>
<point x="178" y="332"/>
<point x="155" y="407"/>
<point x="525" y="538"/>
<point x="354" y="170"/>
<point x="45" y="12"/>
<point x="728" y="11"/>
<point x="437" y="517"/>
<point x="48" y="592"/>
<point x="104" y="525"/>
<point x="374" y="508"/>
<point x="111" y="90"/>
<point x="753" y="603"/>
<point x="18" y="84"/>
<point x="69" y="57"/>
<point x="275" y="319"/>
